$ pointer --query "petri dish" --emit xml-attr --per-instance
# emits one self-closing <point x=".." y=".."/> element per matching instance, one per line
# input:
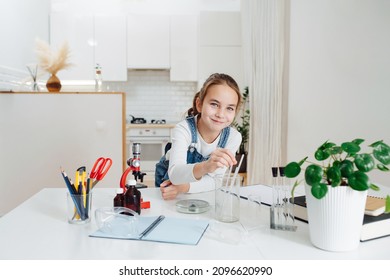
<point x="192" y="206"/>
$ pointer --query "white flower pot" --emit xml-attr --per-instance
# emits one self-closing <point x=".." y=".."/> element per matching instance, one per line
<point x="336" y="220"/>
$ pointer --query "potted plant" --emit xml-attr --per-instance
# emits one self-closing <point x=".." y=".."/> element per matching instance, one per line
<point x="243" y="128"/>
<point x="336" y="190"/>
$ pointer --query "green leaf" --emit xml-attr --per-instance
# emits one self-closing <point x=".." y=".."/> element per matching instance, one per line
<point x="376" y="143"/>
<point x="359" y="181"/>
<point x="302" y="161"/>
<point x="334" y="176"/>
<point x="364" y="162"/>
<point x="346" y="168"/>
<point x="319" y="190"/>
<point x="350" y="147"/>
<point x="382" y="153"/>
<point x="374" y="187"/>
<point x="335" y="150"/>
<point x="382" y="167"/>
<point x="313" y="174"/>
<point x="387" y="208"/>
<point x="337" y="163"/>
<point x="321" y="155"/>
<point x="328" y="145"/>
<point x="358" y="141"/>
<point x="322" y="152"/>
<point x="292" y="170"/>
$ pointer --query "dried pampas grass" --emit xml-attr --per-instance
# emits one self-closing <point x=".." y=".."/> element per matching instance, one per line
<point x="50" y="61"/>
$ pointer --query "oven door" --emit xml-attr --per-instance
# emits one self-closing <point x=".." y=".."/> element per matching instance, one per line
<point x="152" y="149"/>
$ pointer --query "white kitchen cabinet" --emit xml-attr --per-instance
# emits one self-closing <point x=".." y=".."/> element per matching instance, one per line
<point x="148" y="41"/>
<point x="220" y="28"/>
<point x="77" y="31"/>
<point x="110" y="49"/>
<point x="221" y="59"/>
<point x="220" y="46"/>
<point x="184" y="48"/>
<point x="92" y="39"/>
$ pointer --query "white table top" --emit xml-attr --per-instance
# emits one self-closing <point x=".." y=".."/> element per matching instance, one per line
<point x="38" y="229"/>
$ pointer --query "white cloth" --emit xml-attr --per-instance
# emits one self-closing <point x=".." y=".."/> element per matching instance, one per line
<point x="180" y="172"/>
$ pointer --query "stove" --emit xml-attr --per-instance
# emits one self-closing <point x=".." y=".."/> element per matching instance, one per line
<point x="162" y="121"/>
<point x="137" y="120"/>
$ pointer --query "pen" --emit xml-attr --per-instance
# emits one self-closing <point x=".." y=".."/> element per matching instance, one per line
<point x="152" y="226"/>
<point x="77" y="181"/>
<point x="72" y="191"/>
<point x="68" y="182"/>
<point x="84" y="188"/>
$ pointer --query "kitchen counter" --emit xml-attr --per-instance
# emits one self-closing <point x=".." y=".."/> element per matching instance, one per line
<point x="149" y="125"/>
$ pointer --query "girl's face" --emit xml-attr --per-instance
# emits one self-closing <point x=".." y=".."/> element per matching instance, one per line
<point x="218" y="108"/>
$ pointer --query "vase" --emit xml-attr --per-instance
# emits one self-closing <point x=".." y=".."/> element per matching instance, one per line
<point x="335" y="221"/>
<point x="53" y="84"/>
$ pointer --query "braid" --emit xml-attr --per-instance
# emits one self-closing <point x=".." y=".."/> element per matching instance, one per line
<point x="193" y="111"/>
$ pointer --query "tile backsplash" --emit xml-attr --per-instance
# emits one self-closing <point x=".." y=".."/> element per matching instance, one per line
<point x="151" y="95"/>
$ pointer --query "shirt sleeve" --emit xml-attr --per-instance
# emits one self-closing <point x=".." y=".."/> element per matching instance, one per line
<point x="180" y="172"/>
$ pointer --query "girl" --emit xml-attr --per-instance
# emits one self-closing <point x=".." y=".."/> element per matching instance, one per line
<point x="204" y="144"/>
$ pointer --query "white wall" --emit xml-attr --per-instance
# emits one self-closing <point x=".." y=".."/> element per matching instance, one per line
<point x="339" y="83"/>
<point x="21" y="21"/>
<point x="150" y="92"/>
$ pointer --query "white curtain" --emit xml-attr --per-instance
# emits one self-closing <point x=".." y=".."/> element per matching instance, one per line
<point x="263" y="42"/>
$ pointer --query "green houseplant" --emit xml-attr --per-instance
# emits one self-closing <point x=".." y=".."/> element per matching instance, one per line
<point x="336" y="188"/>
<point x="243" y="128"/>
<point x="342" y="165"/>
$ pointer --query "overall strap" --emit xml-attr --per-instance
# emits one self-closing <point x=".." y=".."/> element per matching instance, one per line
<point x="194" y="138"/>
<point x="222" y="140"/>
<point x="224" y="137"/>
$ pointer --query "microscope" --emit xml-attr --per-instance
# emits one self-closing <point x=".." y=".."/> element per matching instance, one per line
<point x="134" y="164"/>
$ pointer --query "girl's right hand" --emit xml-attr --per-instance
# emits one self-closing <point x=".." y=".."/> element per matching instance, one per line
<point x="219" y="158"/>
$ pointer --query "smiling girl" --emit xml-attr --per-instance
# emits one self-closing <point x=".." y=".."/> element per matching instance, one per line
<point x="204" y="144"/>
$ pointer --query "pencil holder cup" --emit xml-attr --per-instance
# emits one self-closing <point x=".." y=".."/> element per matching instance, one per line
<point x="79" y="208"/>
<point x="227" y="198"/>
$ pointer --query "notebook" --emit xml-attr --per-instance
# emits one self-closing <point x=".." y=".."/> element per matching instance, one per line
<point x="156" y="228"/>
<point x="375" y="206"/>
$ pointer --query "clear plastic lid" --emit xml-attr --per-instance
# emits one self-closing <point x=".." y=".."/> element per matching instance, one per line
<point x="119" y="221"/>
<point x="192" y="206"/>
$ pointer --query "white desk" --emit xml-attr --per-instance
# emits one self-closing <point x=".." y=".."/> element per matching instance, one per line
<point x="38" y="229"/>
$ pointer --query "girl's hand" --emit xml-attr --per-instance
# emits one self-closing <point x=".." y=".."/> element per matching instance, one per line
<point x="220" y="158"/>
<point x="170" y="191"/>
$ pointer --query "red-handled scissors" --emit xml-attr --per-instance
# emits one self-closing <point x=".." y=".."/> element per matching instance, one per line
<point x="100" y="169"/>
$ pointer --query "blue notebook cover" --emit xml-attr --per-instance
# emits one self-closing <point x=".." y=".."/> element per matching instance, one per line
<point x="156" y="228"/>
